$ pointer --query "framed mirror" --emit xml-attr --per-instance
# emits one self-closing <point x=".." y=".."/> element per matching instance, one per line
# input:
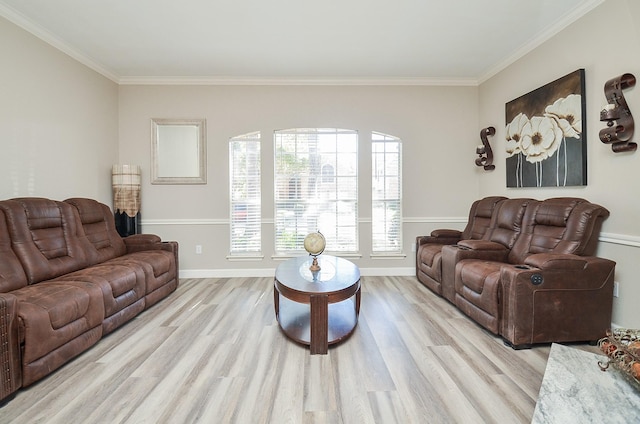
<point x="178" y="151"/>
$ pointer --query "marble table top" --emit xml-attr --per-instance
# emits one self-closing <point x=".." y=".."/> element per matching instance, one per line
<point x="575" y="390"/>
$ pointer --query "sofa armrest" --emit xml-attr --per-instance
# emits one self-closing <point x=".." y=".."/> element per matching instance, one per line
<point x="142" y="242"/>
<point x="137" y="239"/>
<point x="568" y="298"/>
<point x="444" y="233"/>
<point x="440" y="236"/>
<point x="548" y="261"/>
<point x="475" y="249"/>
<point x="485" y="245"/>
<point x="11" y="370"/>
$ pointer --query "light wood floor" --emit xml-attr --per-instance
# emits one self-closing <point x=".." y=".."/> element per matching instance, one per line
<point x="213" y="353"/>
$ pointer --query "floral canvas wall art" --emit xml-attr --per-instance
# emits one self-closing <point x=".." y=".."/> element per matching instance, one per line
<point x="546" y="135"/>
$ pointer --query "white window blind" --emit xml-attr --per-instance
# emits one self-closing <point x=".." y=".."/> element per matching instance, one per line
<point x="387" y="194"/>
<point x="244" y="169"/>
<point x="316" y="188"/>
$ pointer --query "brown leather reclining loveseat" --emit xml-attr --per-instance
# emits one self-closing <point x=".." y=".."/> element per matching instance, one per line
<point x="532" y="277"/>
<point x="67" y="279"/>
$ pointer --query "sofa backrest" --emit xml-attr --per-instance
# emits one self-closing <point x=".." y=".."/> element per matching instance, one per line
<point x="480" y="215"/>
<point x="12" y="276"/>
<point x="507" y="221"/>
<point x="99" y="227"/>
<point x="560" y="225"/>
<point x="45" y="236"/>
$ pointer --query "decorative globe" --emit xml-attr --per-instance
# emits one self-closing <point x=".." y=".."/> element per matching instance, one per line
<point x="314" y="243"/>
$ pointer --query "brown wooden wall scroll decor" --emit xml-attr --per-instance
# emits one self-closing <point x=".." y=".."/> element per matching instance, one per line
<point x="617" y="115"/>
<point x="484" y="151"/>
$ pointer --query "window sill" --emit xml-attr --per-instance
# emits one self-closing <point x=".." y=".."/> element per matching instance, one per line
<point x="388" y="256"/>
<point x="283" y="257"/>
<point x="240" y="258"/>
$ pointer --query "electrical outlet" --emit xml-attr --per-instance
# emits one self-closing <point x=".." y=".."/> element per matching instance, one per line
<point x="616" y="289"/>
<point x="198" y="249"/>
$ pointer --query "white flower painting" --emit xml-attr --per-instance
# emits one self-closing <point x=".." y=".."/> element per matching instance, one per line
<point x="545" y="141"/>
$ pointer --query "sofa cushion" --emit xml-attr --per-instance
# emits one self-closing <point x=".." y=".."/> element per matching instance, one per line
<point x="480" y="215"/>
<point x="123" y="290"/>
<point x="45" y="237"/>
<point x="99" y="228"/>
<point x="507" y="222"/>
<point x="555" y="212"/>
<point x="477" y="285"/>
<point x="54" y="313"/>
<point x="158" y="265"/>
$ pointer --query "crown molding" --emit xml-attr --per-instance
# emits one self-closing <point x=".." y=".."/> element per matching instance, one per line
<point x="320" y="81"/>
<point x="540" y="39"/>
<point x="31" y="27"/>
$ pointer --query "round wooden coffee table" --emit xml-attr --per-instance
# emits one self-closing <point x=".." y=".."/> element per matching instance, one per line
<point x="321" y="308"/>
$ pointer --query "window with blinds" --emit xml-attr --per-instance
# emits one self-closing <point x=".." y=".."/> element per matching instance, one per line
<point x="386" y="183"/>
<point x="316" y="188"/>
<point x="244" y="169"/>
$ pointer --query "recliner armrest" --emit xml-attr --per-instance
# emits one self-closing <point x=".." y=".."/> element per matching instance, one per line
<point x="563" y="261"/>
<point x="566" y="272"/>
<point x="141" y="239"/>
<point x="440" y="236"/>
<point x="142" y="242"/>
<point x="446" y="233"/>
<point x="481" y="245"/>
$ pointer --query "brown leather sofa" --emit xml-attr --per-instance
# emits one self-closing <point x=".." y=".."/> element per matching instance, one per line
<point x="532" y="278"/>
<point x="429" y="248"/>
<point x="67" y="279"/>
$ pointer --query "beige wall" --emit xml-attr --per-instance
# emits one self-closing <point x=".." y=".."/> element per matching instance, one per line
<point x="58" y="122"/>
<point x="437" y="148"/>
<point x="605" y="43"/>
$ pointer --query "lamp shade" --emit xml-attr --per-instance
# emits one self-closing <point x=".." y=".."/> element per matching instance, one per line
<point x="126" y="189"/>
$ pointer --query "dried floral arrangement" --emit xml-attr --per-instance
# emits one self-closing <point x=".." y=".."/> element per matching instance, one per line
<point x="622" y="347"/>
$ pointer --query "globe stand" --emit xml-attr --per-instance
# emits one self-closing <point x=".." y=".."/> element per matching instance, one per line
<point x="314" y="265"/>
<point x="314" y="243"/>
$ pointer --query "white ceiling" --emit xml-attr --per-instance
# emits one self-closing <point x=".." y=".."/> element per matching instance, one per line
<point x="451" y="41"/>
